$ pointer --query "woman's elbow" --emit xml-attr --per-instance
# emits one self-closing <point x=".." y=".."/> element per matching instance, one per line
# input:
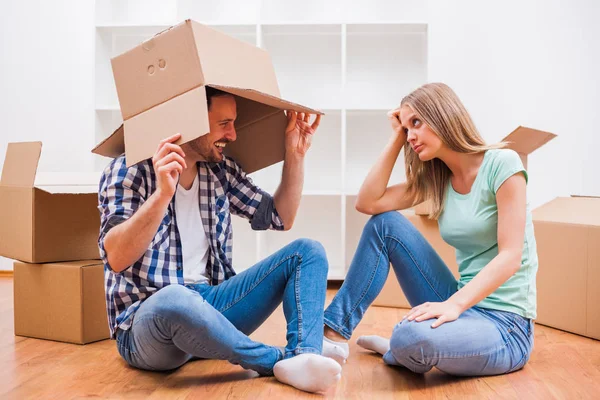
<point x="364" y="208"/>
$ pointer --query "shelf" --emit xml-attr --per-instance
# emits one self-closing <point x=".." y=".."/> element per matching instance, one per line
<point x="308" y="62"/>
<point x="323" y="163"/>
<point x="368" y="132"/>
<point x="384" y="63"/>
<point x="318" y="218"/>
<point x="355" y="223"/>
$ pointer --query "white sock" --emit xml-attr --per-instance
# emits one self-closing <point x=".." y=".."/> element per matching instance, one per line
<point x="374" y="343"/>
<point x="309" y="372"/>
<point x="336" y="350"/>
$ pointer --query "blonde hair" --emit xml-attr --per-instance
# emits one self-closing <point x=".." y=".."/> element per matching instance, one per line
<point x="439" y="107"/>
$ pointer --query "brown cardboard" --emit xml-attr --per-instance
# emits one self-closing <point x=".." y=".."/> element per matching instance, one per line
<point x="44" y="223"/>
<point x="523" y="140"/>
<point x="61" y="301"/>
<point x="567" y="231"/>
<point x="161" y="89"/>
<point x="391" y="295"/>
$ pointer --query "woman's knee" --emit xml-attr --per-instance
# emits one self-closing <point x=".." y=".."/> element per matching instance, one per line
<point x="413" y="342"/>
<point x="390" y="221"/>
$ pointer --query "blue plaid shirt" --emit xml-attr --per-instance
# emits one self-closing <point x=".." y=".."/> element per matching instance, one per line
<point x="224" y="189"/>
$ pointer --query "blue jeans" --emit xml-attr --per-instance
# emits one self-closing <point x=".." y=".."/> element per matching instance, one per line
<point x="480" y="342"/>
<point x="179" y="323"/>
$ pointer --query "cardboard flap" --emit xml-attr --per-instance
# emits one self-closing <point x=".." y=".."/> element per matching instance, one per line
<point x="526" y="140"/>
<point x="20" y="164"/>
<point x="113" y="146"/>
<point x="186" y="114"/>
<point x="267" y="99"/>
<point x="68" y="189"/>
<point x="570" y="210"/>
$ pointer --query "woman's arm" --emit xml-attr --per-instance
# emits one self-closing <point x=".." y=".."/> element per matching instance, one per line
<point x="374" y="196"/>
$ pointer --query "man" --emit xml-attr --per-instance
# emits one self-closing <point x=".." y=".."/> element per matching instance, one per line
<point x="166" y="238"/>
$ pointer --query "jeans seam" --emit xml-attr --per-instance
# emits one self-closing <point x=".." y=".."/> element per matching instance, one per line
<point x="297" y="296"/>
<point x="258" y="282"/>
<point x="368" y="286"/>
<point x="416" y="264"/>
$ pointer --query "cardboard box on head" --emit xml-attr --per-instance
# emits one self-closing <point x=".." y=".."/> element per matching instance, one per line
<point x="161" y="85"/>
<point x="44" y="223"/>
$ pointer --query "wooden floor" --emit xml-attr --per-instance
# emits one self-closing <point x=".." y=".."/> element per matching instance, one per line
<point x="562" y="366"/>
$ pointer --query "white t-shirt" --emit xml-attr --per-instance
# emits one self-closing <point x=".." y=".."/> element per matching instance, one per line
<point x="194" y="243"/>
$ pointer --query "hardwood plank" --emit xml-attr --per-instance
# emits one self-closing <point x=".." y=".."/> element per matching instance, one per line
<point x="562" y="366"/>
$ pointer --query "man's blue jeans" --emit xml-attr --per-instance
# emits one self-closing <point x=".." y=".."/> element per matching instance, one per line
<point x="179" y="323"/>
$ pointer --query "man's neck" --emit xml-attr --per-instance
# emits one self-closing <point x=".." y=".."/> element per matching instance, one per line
<point x="188" y="175"/>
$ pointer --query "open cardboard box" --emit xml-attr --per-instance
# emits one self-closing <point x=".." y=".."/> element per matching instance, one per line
<point x="161" y="88"/>
<point x="61" y="301"/>
<point x="44" y="223"/>
<point x="567" y="233"/>
<point x="522" y="140"/>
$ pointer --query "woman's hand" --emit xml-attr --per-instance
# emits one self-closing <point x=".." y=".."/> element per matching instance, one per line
<point x="446" y="311"/>
<point x="394" y="118"/>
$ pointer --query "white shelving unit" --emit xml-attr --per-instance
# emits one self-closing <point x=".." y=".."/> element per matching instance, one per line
<point x="354" y="63"/>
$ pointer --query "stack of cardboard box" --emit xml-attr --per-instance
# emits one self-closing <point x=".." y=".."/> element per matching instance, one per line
<point x="53" y="232"/>
<point x="567" y="232"/>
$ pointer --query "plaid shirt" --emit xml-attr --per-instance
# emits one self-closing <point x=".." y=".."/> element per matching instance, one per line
<point x="224" y="189"/>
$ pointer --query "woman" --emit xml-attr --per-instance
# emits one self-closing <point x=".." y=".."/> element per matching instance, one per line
<point x="481" y="324"/>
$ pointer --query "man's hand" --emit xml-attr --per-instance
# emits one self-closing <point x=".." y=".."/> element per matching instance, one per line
<point x="298" y="133"/>
<point x="444" y="312"/>
<point x="169" y="163"/>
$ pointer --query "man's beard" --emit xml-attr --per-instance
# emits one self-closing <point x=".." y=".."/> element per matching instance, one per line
<point x="207" y="155"/>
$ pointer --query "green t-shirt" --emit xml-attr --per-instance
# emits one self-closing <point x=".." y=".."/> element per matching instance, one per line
<point x="469" y="223"/>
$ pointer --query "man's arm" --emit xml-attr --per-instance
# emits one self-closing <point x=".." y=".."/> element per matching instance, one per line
<point x="298" y="138"/>
<point x="124" y="243"/>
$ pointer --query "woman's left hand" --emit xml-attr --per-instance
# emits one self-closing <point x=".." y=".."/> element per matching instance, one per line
<point x="444" y="312"/>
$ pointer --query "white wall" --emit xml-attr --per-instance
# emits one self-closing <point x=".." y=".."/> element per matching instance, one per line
<point x="534" y="63"/>
<point x="46" y="81"/>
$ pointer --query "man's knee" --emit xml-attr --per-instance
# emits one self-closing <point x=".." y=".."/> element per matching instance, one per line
<point x="311" y="250"/>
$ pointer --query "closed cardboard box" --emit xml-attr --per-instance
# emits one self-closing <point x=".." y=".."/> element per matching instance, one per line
<point x="45" y="223"/>
<point x="61" y="301"/>
<point x="567" y="232"/>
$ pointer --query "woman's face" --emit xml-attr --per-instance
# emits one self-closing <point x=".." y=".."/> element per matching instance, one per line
<point x="421" y="138"/>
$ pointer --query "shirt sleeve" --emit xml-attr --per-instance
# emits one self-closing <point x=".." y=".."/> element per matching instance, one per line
<point x="506" y="164"/>
<point x="121" y="193"/>
<point x="249" y="201"/>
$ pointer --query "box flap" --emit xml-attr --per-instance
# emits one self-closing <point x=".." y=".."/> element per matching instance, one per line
<point x="570" y="210"/>
<point x="20" y="164"/>
<point x="161" y="68"/>
<point x="526" y="140"/>
<point x="229" y="61"/>
<point x="266" y="98"/>
<point x="186" y="114"/>
<point x="113" y="146"/>
<point x="68" y="189"/>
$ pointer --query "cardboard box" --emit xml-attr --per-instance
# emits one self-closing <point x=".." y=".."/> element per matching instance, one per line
<point x="523" y="140"/>
<point x="161" y="88"/>
<point x="567" y="232"/>
<point x="391" y="295"/>
<point x="61" y="301"/>
<point x="45" y="223"/>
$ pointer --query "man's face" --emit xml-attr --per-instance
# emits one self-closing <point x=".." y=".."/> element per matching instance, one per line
<point x="221" y="117"/>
